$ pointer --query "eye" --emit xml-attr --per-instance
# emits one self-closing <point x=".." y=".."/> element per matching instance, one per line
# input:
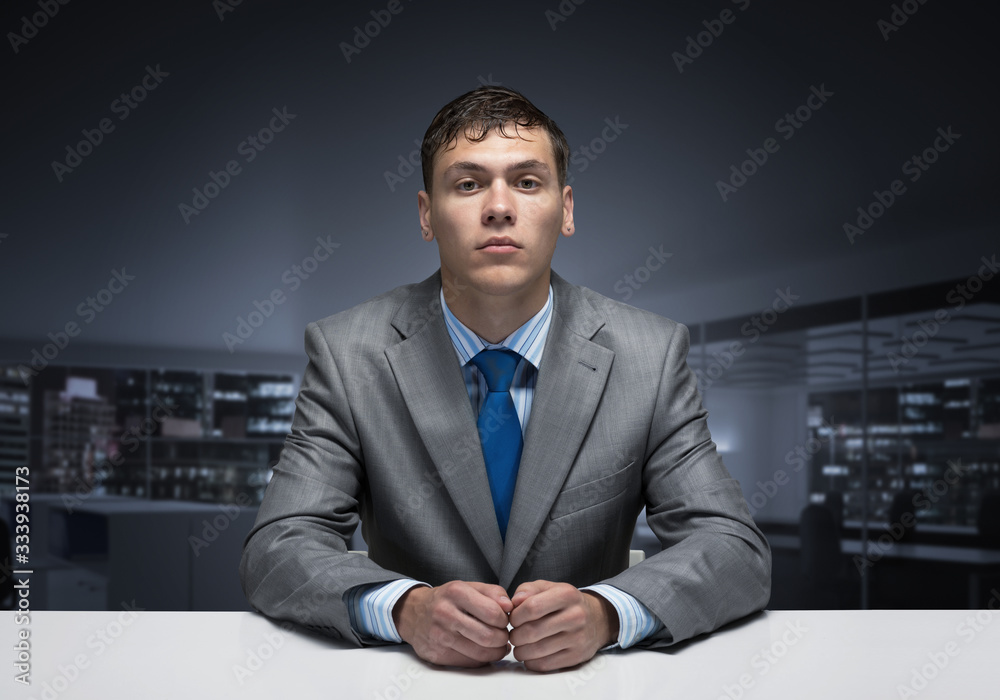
<point x="529" y="184"/>
<point x="462" y="185"/>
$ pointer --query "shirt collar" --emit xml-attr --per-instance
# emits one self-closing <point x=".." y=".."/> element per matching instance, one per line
<point x="527" y="341"/>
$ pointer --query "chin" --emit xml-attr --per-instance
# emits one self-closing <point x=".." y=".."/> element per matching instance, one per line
<point x="501" y="281"/>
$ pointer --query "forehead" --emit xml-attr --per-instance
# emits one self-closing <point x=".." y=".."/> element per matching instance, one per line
<point x="519" y="144"/>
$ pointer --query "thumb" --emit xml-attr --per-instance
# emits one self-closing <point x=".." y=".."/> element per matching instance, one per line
<point x="526" y="590"/>
<point x="495" y="593"/>
<point x="505" y="603"/>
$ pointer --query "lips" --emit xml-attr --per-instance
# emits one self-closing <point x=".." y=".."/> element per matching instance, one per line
<point x="500" y="244"/>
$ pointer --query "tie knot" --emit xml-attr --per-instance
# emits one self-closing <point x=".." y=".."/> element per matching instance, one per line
<point x="498" y="367"/>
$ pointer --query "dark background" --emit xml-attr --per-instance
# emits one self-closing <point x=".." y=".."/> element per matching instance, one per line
<point x="325" y="175"/>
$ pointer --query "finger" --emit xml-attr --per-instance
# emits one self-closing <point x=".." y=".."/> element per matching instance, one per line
<point x="523" y="635"/>
<point x="453" y="657"/>
<point x="520" y="596"/>
<point x="528" y="589"/>
<point x="481" y="607"/>
<point x="545" y="602"/>
<point x="450" y="628"/>
<point x="496" y="593"/>
<point x="481" y="634"/>
<point x="549" y="626"/>
<point x="505" y="604"/>
<point x="560" y="660"/>
<point x="481" y="653"/>
<point x="539" y="650"/>
<point x="472" y="615"/>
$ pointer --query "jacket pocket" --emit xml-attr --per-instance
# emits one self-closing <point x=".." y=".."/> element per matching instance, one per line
<point x="593" y="493"/>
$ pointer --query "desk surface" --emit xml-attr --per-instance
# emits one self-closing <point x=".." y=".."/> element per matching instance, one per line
<point x="814" y="654"/>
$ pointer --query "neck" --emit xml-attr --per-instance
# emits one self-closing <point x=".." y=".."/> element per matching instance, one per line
<point x="492" y="317"/>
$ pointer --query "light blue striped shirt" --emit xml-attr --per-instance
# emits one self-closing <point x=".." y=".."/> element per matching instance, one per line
<point x="370" y="606"/>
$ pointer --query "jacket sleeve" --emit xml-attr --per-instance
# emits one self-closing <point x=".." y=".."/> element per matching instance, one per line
<point x="715" y="564"/>
<point x="295" y="564"/>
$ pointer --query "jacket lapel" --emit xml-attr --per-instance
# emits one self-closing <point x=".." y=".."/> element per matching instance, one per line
<point x="429" y="377"/>
<point x="570" y="383"/>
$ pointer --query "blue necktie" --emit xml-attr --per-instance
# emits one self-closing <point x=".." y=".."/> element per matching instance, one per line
<point x="499" y="429"/>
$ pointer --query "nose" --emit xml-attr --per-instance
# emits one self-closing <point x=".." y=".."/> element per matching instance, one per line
<point x="499" y="205"/>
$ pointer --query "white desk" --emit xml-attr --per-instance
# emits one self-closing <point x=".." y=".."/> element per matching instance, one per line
<point x="817" y="654"/>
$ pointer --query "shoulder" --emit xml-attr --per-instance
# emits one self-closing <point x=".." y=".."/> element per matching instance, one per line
<point x="377" y="310"/>
<point x="616" y="322"/>
<point x="375" y="322"/>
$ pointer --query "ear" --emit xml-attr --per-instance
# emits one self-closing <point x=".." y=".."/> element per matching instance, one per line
<point x="568" y="228"/>
<point x="424" y="210"/>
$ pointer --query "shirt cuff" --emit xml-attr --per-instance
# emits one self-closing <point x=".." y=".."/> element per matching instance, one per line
<point x="635" y="621"/>
<point x="369" y="607"/>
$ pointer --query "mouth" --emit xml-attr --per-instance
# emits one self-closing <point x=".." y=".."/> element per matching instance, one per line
<point x="500" y="244"/>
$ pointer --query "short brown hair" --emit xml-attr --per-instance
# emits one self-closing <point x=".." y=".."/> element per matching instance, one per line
<point x="478" y="112"/>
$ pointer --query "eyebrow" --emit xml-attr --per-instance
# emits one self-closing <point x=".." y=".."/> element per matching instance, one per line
<point x="532" y="164"/>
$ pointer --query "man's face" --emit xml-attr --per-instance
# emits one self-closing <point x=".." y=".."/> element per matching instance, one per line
<point x="497" y="211"/>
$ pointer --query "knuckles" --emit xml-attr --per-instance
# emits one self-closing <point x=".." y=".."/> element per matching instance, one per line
<point x="576" y="616"/>
<point x="488" y="637"/>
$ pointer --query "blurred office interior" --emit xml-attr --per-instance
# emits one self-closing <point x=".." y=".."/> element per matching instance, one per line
<point x="845" y="330"/>
<point x="832" y="445"/>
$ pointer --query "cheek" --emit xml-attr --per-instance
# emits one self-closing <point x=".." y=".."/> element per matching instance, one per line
<point x="546" y="214"/>
<point x="551" y="222"/>
<point x="456" y="216"/>
<point x="452" y="237"/>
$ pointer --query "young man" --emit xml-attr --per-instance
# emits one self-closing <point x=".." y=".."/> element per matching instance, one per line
<point x="498" y="430"/>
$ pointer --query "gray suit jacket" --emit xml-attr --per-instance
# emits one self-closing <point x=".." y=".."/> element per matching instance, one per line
<point x="384" y="430"/>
